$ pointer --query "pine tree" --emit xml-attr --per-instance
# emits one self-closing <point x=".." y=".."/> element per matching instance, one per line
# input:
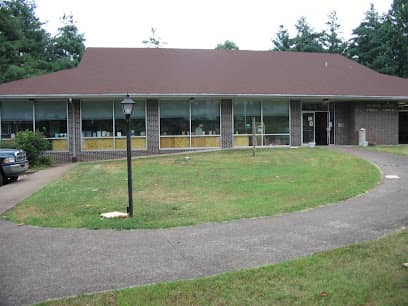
<point x="67" y="46"/>
<point x="306" y="39"/>
<point x="330" y="38"/>
<point x="370" y="45"/>
<point x="282" y="41"/>
<point x="398" y="26"/>
<point x="23" y="42"/>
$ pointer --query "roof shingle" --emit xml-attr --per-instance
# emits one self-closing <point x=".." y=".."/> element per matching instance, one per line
<point x="214" y="72"/>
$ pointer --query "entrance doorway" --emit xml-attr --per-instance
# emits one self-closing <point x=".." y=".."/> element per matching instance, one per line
<point x="403" y="127"/>
<point x="321" y="128"/>
<point x="315" y="128"/>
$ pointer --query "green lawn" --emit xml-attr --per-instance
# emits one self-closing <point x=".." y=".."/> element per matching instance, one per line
<point x="209" y="187"/>
<point x="400" y="149"/>
<point x="370" y="273"/>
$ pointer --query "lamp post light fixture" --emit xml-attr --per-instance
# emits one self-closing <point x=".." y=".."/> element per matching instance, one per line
<point x="127" y="107"/>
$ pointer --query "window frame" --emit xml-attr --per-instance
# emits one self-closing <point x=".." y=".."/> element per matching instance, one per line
<point x="190" y="136"/>
<point x="113" y="137"/>
<point x="263" y="134"/>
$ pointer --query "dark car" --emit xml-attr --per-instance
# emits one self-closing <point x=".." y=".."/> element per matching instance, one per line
<point x="13" y="163"/>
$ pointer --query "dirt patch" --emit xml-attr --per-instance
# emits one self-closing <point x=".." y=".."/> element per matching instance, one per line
<point x="22" y="213"/>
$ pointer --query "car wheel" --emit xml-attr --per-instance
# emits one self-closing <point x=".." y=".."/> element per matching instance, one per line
<point x="13" y="179"/>
<point x="1" y="179"/>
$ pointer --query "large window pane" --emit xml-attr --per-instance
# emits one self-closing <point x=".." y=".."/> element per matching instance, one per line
<point x="174" y="118"/>
<point x="97" y="119"/>
<point x="51" y="120"/>
<point x="97" y="125"/>
<point x="205" y="118"/>
<point x="137" y="123"/>
<point x="16" y="116"/>
<point x="276" y="117"/>
<point x="271" y="120"/>
<point x="243" y="114"/>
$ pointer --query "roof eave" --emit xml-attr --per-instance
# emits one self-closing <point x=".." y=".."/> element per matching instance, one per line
<point x="204" y="95"/>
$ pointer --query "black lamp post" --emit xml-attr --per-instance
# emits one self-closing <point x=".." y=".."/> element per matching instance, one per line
<point x="127" y="107"/>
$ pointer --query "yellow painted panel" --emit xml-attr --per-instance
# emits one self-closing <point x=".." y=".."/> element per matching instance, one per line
<point x="201" y="142"/>
<point x="137" y="143"/>
<point x="241" y="141"/>
<point x="59" y="144"/>
<point x="98" y="144"/>
<point x="174" y="142"/>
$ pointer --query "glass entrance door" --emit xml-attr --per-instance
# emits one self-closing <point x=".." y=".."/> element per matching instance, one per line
<point x="308" y="128"/>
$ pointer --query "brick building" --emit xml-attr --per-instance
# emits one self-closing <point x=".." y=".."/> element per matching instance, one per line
<point x="195" y="99"/>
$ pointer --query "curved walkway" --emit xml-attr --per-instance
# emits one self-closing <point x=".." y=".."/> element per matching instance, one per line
<point x="42" y="263"/>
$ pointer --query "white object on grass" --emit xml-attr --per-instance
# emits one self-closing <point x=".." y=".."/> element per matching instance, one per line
<point x="114" y="214"/>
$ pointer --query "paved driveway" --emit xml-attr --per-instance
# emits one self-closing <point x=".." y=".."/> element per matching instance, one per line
<point x="41" y="263"/>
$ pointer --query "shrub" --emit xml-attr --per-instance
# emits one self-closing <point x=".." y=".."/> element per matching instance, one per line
<point x="33" y="143"/>
<point x="45" y="161"/>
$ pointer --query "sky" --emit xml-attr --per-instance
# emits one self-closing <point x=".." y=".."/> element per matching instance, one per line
<point x="199" y="24"/>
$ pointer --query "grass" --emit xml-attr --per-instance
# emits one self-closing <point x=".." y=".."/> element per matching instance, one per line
<point x="209" y="187"/>
<point x="369" y="273"/>
<point x="399" y="149"/>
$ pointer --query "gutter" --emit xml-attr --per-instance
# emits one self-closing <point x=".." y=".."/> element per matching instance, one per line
<point x="206" y="95"/>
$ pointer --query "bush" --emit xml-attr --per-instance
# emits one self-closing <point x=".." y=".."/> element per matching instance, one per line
<point x="8" y="144"/>
<point x="33" y="143"/>
<point x="45" y="161"/>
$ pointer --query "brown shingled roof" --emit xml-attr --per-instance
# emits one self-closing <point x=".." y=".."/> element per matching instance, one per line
<point x="212" y="72"/>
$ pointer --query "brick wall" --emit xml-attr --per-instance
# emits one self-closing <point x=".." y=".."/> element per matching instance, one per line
<point x="344" y="123"/>
<point x="104" y="155"/>
<point x="74" y="128"/>
<point x="380" y="121"/>
<point x="295" y="123"/>
<point x="226" y="124"/>
<point x="153" y="121"/>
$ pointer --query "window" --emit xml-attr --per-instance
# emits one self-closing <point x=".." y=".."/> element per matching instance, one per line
<point x="137" y="126"/>
<point x="271" y="123"/>
<point x="205" y="118"/>
<point x="276" y="123"/>
<point x="174" y="118"/>
<point x="205" y="124"/>
<point x="51" y="120"/>
<point x="243" y="114"/>
<point x="16" y="116"/>
<point x="186" y="124"/>
<point x="137" y="123"/>
<point x="104" y="126"/>
<point x="97" y="119"/>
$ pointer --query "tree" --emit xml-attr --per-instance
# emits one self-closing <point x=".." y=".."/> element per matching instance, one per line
<point x="282" y="41"/>
<point x="227" y="45"/>
<point x="153" y="41"/>
<point x="26" y="49"/>
<point x="370" y="43"/>
<point x="67" y="46"/>
<point x="22" y="41"/>
<point x="398" y="26"/>
<point x="330" y="38"/>
<point x="306" y="39"/>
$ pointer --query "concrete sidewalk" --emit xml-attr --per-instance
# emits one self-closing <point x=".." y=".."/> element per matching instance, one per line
<point x="41" y="263"/>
